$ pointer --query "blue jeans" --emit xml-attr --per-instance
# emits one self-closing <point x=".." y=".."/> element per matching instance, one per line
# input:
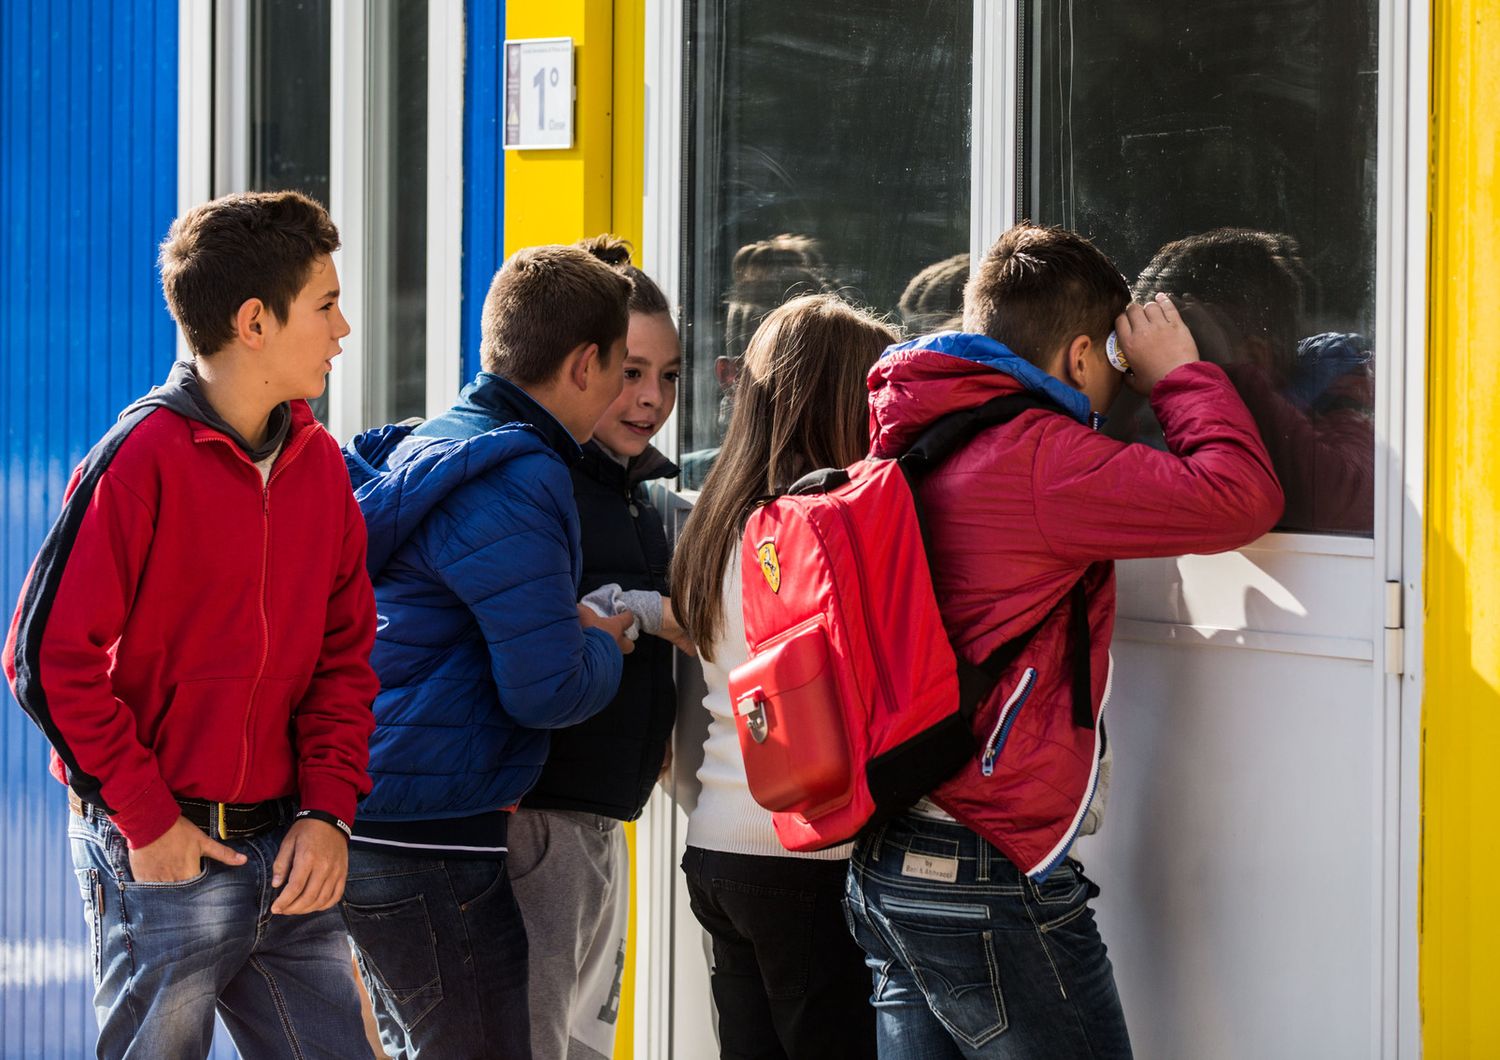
<point x="970" y="959"/>
<point x="168" y="955"/>
<point x="442" y="949"/>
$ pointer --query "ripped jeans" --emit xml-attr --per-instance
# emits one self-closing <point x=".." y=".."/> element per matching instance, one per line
<point x="970" y="959"/>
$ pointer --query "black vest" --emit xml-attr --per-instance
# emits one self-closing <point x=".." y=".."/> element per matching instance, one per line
<point x="607" y="765"/>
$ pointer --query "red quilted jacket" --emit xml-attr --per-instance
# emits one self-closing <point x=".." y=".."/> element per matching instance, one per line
<point x="1022" y="512"/>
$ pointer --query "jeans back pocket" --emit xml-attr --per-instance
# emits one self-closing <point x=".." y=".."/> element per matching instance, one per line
<point x="397" y="956"/>
<point x="951" y="953"/>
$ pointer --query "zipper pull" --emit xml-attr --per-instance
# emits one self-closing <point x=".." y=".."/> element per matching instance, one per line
<point x="265" y="500"/>
<point x="987" y="763"/>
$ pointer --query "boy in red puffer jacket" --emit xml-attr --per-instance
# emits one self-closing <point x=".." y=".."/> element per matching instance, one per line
<point x="969" y="905"/>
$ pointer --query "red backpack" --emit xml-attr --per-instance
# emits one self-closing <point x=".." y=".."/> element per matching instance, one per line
<point x="854" y="703"/>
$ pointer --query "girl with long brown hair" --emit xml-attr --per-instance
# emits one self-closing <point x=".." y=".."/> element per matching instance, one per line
<point x="788" y="981"/>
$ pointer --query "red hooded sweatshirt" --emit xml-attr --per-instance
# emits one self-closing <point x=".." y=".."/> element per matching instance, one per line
<point x="1019" y="515"/>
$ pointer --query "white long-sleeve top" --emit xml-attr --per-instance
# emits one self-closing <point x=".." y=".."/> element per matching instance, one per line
<point x="726" y="817"/>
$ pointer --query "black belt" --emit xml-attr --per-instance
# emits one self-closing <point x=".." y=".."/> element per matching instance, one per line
<point x="221" y="820"/>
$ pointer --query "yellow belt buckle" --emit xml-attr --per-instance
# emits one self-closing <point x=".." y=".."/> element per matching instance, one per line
<point x="223" y="829"/>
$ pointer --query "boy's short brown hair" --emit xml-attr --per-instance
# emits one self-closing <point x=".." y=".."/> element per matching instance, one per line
<point x="1038" y="288"/>
<point x="544" y="302"/>
<point x="217" y="256"/>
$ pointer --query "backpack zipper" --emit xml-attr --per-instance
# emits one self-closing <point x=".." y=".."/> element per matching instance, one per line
<point x="859" y="562"/>
<point x="1006" y="720"/>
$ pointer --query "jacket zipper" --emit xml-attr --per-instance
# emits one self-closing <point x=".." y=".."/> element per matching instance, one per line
<point x="298" y="444"/>
<point x="1045" y="869"/>
<point x="1006" y="719"/>
<point x="859" y="562"/>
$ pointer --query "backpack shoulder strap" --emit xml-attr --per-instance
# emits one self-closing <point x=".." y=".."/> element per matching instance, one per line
<point x="976" y="681"/>
<point x="934" y="446"/>
<point x="945" y="436"/>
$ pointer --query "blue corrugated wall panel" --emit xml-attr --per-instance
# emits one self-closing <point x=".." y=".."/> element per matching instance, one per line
<point x="484" y="165"/>
<point x="88" y="185"/>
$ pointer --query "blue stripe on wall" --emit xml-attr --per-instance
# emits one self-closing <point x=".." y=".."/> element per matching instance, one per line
<point x="88" y="185"/>
<point x="484" y="166"/>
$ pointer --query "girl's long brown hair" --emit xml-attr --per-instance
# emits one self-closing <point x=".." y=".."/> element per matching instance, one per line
<point x="799" y="404"/>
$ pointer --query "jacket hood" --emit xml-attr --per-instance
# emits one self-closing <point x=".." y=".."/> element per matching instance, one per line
<point x="399" y="477"/>
<point x="918" y="382"/>
<point x="183" y="394"/>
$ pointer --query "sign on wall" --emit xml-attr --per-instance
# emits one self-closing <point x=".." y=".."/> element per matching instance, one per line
<point x="539" y="93"/>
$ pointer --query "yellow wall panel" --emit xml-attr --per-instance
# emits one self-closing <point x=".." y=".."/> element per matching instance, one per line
<point x="1459" y="926"/>
<point x="561" y="196"/>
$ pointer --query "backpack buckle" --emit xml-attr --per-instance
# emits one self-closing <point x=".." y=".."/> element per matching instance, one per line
<point x="751" y="706"/>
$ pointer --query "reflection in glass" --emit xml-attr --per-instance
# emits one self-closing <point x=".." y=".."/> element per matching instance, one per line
<point x="1242" y="293"/>
<point x="1225" y="153"/>
<point x="828" y="150"/>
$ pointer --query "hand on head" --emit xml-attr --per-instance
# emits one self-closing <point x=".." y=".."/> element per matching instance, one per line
<point x="1155" y="340"/>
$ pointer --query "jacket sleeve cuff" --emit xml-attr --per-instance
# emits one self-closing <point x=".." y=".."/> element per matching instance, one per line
<point x="148" y="816"/>
<point x="319" y="791"/>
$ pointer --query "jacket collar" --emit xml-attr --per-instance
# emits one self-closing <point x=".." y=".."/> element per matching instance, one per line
<point x="499" y="400"/>
<point x="650" y="464"/>
<point x="983" y="350"/>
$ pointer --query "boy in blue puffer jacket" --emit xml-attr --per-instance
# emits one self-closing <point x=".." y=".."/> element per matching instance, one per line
<point x="481" y="649"/>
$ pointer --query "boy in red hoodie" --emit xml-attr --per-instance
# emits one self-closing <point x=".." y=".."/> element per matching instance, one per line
<point x="194" y="641"/>
<point x="972" y="914"/>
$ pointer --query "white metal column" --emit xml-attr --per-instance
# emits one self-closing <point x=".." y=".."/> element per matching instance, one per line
<point x="347" y="176"/>
<point x="195" y="123"/>
<point x="445" y="201"/>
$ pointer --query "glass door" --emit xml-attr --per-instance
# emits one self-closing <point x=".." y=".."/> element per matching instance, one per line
<point x="1230" y="155"/>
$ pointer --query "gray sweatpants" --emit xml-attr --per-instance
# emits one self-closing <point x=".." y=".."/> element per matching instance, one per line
<point x="571" y="876"/>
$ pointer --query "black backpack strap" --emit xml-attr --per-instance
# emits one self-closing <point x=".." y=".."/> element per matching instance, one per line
<point x="1083" y="650"/>
<point x="977" y="681"/>
<point x="946" y="436"/>
<point x="935" y="445"/>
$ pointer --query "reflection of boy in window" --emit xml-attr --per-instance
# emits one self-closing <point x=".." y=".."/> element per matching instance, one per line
<point x="764" y="274"/>
<point x="934" y="298"/>
<point x="1242" y="294"/>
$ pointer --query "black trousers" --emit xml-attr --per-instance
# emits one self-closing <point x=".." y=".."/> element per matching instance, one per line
<point x="788" y="980"/>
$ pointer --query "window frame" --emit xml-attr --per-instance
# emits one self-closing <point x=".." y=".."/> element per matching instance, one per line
<point x="213" y="158"/>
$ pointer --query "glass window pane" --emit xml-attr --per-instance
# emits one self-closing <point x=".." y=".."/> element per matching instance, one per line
<point x="828" y="148"/>
<point x="289" y="86"/>
<point x="1226" y="153"/>
<point x="396" y="296"/>
<point x="288" y="104"/>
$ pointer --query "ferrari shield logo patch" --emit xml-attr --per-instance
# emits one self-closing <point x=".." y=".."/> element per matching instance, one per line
<point x="770" y="564"/>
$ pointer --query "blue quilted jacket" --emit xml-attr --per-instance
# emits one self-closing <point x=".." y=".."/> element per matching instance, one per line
<point x="474" y="553"/>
